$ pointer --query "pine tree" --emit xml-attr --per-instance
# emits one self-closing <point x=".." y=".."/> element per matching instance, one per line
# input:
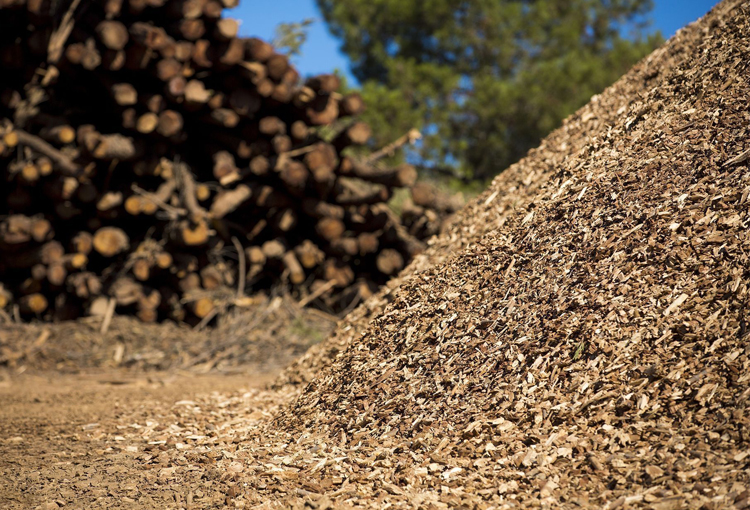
<point x="484" y="79"/>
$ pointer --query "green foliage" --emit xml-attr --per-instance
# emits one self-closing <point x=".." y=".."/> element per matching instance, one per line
<point x="290" y="37"/>
<point x="484" y="80"/>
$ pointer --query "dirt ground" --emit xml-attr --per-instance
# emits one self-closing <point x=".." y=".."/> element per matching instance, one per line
<point x="59" y="445"/>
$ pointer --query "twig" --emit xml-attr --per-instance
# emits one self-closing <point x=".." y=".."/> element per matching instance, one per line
<point x="299" y="152"/>
<point x="108" y="315"/>
<point x="241" y="259"/>
<point x="5" y="316"/>
<point x="411" y="137"/>
<point x="176" y="211"/>
<point x="61" y="34"/>
<point x="286" y="156"/>
<point x="186" y="184"/>
<point x="203" y="323"/>
<point x="42" y="147"/>
<point x="315" y="295"/>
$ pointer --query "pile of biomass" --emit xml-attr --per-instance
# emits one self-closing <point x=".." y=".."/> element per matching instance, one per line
<point x="518" y="189"/>
<point x="581" y="340"/>
<point x="592" y="350"/>
<point x="154" y="160"/>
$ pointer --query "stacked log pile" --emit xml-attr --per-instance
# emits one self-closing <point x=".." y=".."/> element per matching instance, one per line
<point x="144" y="145"/>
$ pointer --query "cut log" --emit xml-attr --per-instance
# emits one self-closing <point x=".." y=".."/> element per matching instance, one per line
<point x="271" y="126"/>
<point x="338" y="272"/>
<point x="213" y="9"/>
<point x="33" y="304"/>
<point x="326" y="83"/>
<point x="147" y="123"/>
<point x="85" y="285"/>
<point x="258" y="50"/>
<point x="225" y="117"/>
<point x="322" y="163"/>
<point x="259" y="166"/>
<point x="318" y="209"/>
<point x="390" y="262"/>
<point x="110" y="241"/>
<point x="125" y="291"/>
<point x="229" y="201"/>
<point x="281" y="144"/>
<point x="224" y="164"/>
<point x="402" y="176"/>
<point x="188" y="9"/>
<point x="427" y="195"/>
<point x="274" y="249"/>
<point x="191" y="29"/>
<point x="309" y="255"/>
<point x="193" y="234"/>
<point x="322" y="110"/>
<point x="201" y="307"/>
<point x="114" y="146"/>
<point x="295" y="176"/>
<point x="244" y="102"/>
<point x="211" y="278"/>
<point x="56" y="274"/>
<point x="113" y="34"/>
<point x="109" y="201"/>
<point x="330" y="229"/>
<point x="356" y="134"/>
<point x="58" y="135"/>
<point x="367" y="243"/>
<point x="149" y="36"/>
<point x="284" y="221"/>
<point x="255" y="255"/>
<point x="352" y="105"/>
<point x="191" y="281"/>
<point x="350" y="191"/>
<point x="113" y="8"/>
<point x="296" y="272"/>
<point x="170" y="123"/>
<point x="345" y="247"/>
<point x="299" y="130"/>
<point x="226" y="29"/>
<point x="196" y="92"/>
<point x="277" y="66"/>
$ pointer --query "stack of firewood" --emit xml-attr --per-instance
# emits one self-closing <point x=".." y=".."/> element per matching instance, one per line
<point x="158" y="164"/>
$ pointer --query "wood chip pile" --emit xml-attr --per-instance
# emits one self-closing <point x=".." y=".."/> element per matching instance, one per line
<point x="143" y="145"/>
<point x="593" y="350"/>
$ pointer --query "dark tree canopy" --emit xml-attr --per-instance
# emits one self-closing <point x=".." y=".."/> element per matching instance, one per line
<point x="484" y="79"/>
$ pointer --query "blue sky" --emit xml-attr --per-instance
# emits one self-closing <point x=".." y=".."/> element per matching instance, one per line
<point x="320" y="53"/>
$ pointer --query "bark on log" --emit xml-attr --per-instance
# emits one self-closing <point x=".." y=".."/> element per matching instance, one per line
<point x="227" y="202"/>
<point x="402" y="176"/>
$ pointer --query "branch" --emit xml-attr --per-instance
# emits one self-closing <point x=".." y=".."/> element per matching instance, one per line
<point x="411" y="137"/>
<point x="175" y="212"/>
<point x="241" y="260"/>
<point x="186" y="183"/>
<point x="42" y="147"/>
<point x="61" y="34"/>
